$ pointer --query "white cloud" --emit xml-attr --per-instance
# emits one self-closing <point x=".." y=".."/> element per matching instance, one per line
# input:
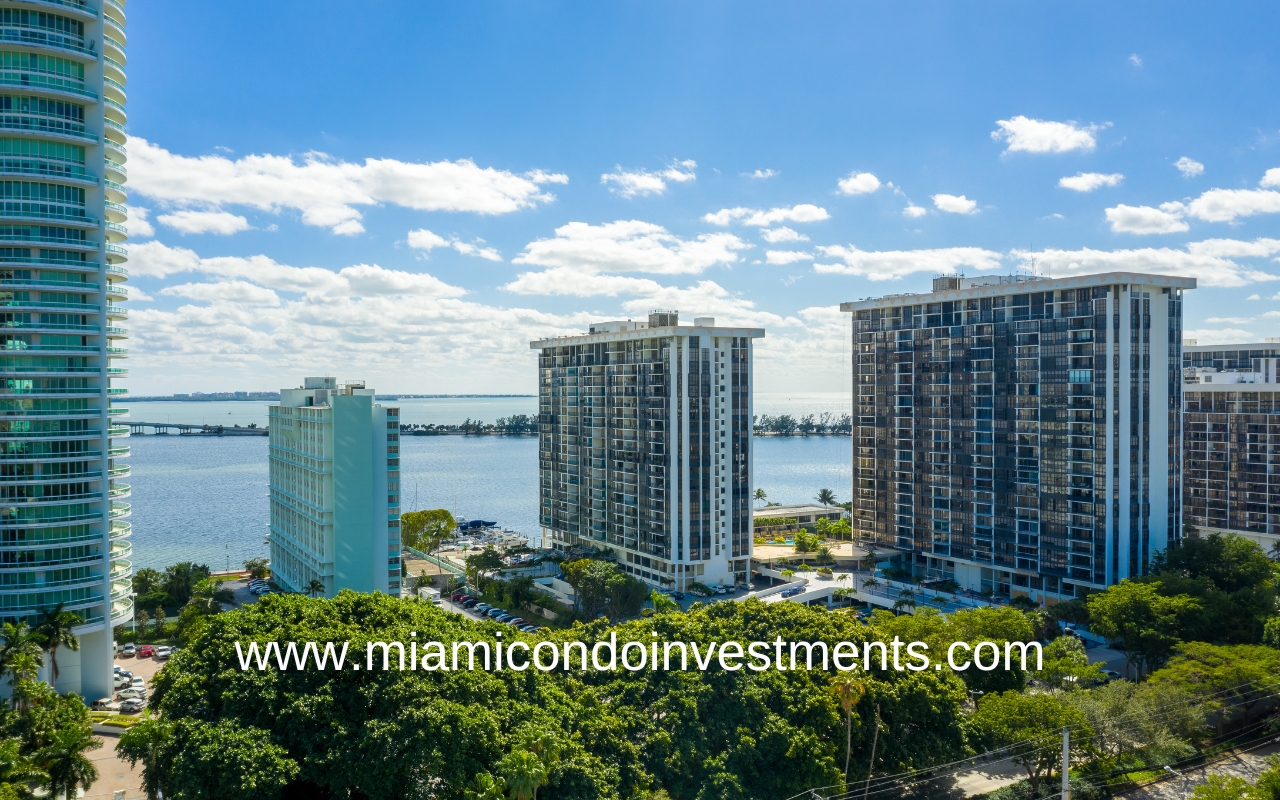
<point x="1271" y="314"/>
<point x="914" y="211"/>
<point x="1202" y="263"/>
<point x="1225" y="205"/>
<point x="859" y="183"/>
<point x="222" y="223"/>
<point x="425" y="240"/>
<point x="642" y="182"/>
<point x="804" y="212"/>
<point x="1253" y="297"/>
<point x="1145" y="219"/>
<point x="579" y="252"/>
<point x="1271" y="178"/>
<point x="955" y="205"/>
<point x="1235" y="248"/>
<point x="225" y="291"/>
<point x="136" y="295"/>
<point x="1231" y="320"/>
<point x="761" y="174"/>
<point x="783" y="234"/>
<point x="139" y="226"/>
<point x="326" y="190"/>
<point x="1223" y="336"/>
<point x="890" y="265"/>
<point x="1088" y="181"/>
<point x="1135" y="59"/>
<point x="1026" y="135"/>
<point x="1189" y="167"/>
<point x="158" y="260"/>
<point x="787" y="256"/>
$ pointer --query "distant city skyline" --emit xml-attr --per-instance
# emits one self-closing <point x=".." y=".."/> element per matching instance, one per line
<point x="512" y="175"/>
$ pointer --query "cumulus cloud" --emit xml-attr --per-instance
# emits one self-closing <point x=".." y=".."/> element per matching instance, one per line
<point x="1271" y="178"/>
<point x="858" y="183"/>
<point x="225" y="291"/>
<point x="1088" y="181"/>
<point x="1208" y="262"/>
<point x="426" y="241"/>
<point x="783" y="234"/>
<point x="1189" y="167"/>
<point x="629" y="183"/>
<point x="761" y="174"/>
<point x="805" y="212"/>
<point x="1254" y="297"/>
<point x="326" y="190"/>
<point x="1026" y="135"/>
<point x="579" y="253"/>
<point x="1220" y="336"/>
<point x="890" y="265"/>
<point x="1225" y="205"/>
<point x="139" y="226"/>
<point x="1145" y="219"/>
<point x="914" y="211"/>
<point x="952" y="204"/>
<point x="787" y="256"/>
<point x="222" y="223"/>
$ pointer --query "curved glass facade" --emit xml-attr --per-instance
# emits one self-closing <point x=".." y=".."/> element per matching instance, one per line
<point x="64" y="537"/>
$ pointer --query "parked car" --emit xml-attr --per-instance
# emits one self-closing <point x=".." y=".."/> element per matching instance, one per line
<point x="470" y="603"/>
<point x="133" y="706"/>
<point x="529" y="628"/>
<point x="483" y="607"/>
<point x="504" y="618"/>
<point x="104" y="704"/>
<point x="456" y="596"/>
<point x="515" y="622"/>
<point x="495" y="612"/>
<point x="131" y="694"/>
<point x="121" y="682"/>
<point x="146" y="651"/>
<point x="163" y="653"/>
<point x="793" y="591"/>
<point x="129" y="650"/>
<point x="1112" y="675"/>
<point x="677" y="595"/>
<point x="138" y="682"/>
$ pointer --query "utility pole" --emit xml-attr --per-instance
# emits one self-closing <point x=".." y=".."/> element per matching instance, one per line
<point x="872" y="767"/>
<point x="1066" y="764"/>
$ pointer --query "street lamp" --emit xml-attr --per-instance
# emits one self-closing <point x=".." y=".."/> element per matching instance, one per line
<point x="1184" y="777"/>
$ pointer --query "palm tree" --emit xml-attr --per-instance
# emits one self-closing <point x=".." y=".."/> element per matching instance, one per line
<point x="524" y="772"/>
<point x="20" y="652"/>
<point x="55" y="628"/>
<point x="826" y="497"/>
<point x="17" y="772"/>
<point x="906" y="599"/>
<point x="63" y="760"/>
<point x="848" y="691"/>
<point x="870" y="583"/>
<point x="314" y="587"/>
<point x="823" y="557"/>
<point x="760" y="496"/>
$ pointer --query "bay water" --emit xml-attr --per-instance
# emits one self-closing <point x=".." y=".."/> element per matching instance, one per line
<point x="204" y="499"/>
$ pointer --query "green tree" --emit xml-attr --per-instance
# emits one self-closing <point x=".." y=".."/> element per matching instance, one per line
<point x="1066" y="665"/>
<point x="826" y="497"/>
<point x="147" y="580"/>
<point x="823" y="557"/>
<point x="258" y="568"/>
<point x="1243" y="674"/>
<point x="180" y="581"/>
<point x="486" y="787"/>
<point x="17" y="771"/>
<point x="1222" y="787"/>
<point x="478" y="564"/>
<point x="21" y="650"/>
<point x="54" y="629"/>
<point x="524" y="773"/>
<point x="150" y="742"/>
<point x="760" y="496"/>
<point x="1142" y="623"/>
<point x="663" y="603"/>
<point x="1161" y="720"/>
<point x="315" y="586"/>
<point x="1036" y="719"/>
<point x="64" y="762"/>
<point x="425" y="530"/>
<point x="1271" y="633"/>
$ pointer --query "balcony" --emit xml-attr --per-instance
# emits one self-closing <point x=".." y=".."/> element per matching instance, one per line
<point x="14" y="33"/>
<point x="121" y="530"/>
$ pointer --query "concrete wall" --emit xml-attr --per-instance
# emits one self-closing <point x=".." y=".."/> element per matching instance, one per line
<point x="353" y="483"/>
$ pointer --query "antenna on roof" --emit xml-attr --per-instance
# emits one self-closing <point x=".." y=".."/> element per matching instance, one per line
<point x="1033" y="259"/>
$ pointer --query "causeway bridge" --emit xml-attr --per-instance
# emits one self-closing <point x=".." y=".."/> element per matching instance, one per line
<point x="181" y="429"/>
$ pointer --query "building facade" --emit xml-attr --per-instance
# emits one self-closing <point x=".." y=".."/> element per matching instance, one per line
<point x="335" y="489"/>
<point x="644" y="447"/>
<point x="1231" y="441"/>
<point x="63" y="533"/>
<point x="1019" y="434"/>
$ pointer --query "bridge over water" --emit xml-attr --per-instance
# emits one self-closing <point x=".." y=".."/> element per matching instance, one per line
<point x="181" y="429"/>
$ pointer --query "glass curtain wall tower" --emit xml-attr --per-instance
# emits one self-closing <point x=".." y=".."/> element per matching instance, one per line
<point x="1020" y="435"/>
<point x="644" y="447"/>
<point x="63" y="534"/>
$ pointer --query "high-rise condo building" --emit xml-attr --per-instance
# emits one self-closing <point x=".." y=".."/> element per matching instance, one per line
<point x="1019" y="434"/>
<point x="335" y="489"/>
<point x="644" y="447"/>
<point x="1231" y="440"/>
<point x="63" y="535"/>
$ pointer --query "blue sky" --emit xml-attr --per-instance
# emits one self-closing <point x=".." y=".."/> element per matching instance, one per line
<point x="409" y="192"/>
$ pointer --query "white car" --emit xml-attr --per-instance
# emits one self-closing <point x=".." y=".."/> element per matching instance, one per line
<point x="131" y="694"/>
<point x="132" y="706"/>
<point x="163" y="652"/>
<point x="138" y="682"/>
<point x="129" y="650"/>
<point x="122" y="682"/>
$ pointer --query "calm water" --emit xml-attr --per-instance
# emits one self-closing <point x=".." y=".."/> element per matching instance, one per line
<point x="206" y="499"/>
